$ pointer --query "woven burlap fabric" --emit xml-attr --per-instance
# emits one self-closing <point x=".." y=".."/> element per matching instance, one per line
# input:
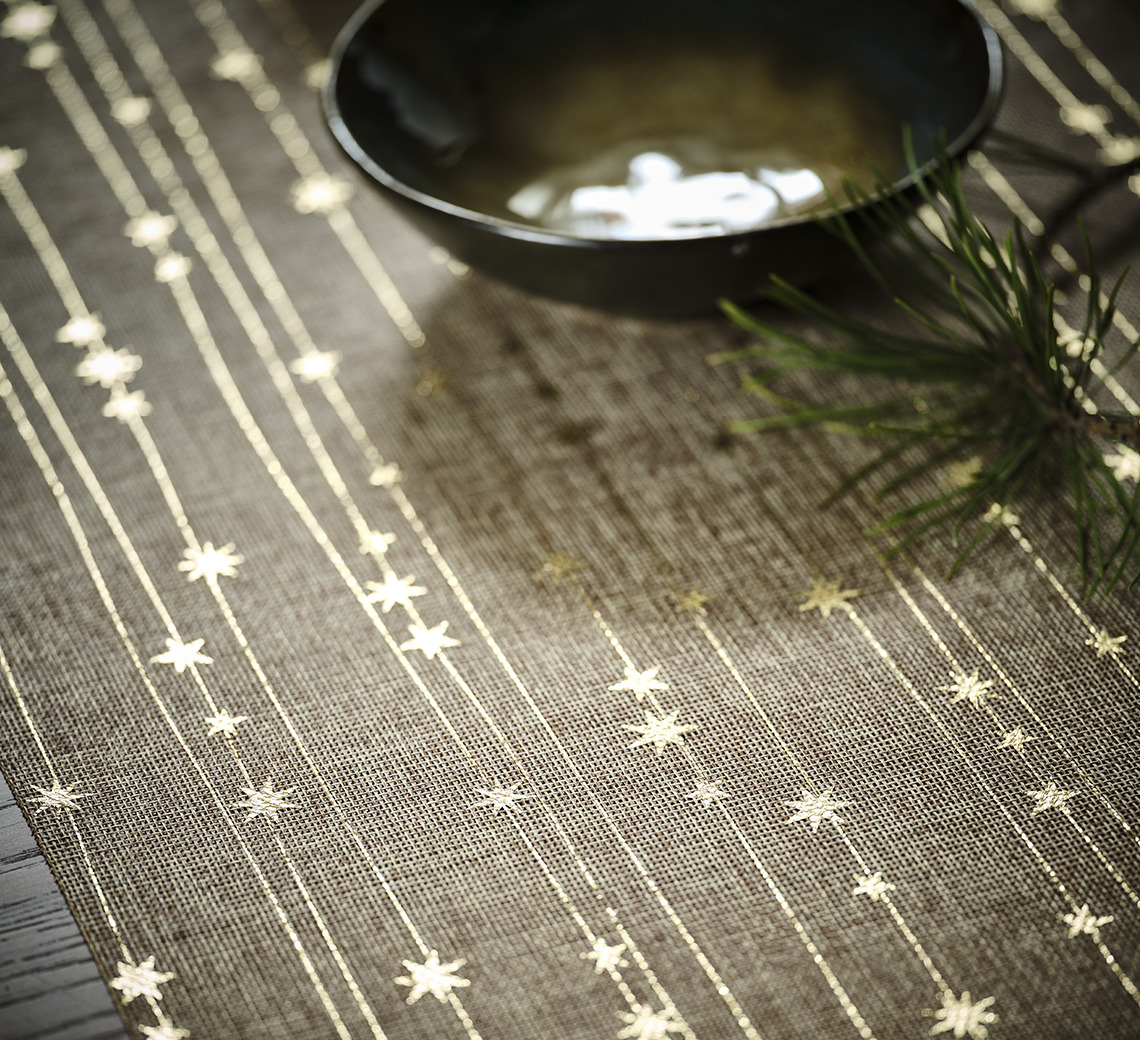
<point x="556" y="494"/>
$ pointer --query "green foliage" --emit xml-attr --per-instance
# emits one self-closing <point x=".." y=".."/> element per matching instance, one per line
<point x="972" y="341"/>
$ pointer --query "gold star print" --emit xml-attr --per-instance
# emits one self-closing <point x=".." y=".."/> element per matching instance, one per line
<point x="708" y="791"/>
<point x="266" y="801"/>
<point x="386" y="476"/>
<point x="182" y="655"/>
<point x="646" y="1024"/>
<point x="82" y="330"/>
<point x="126" y="406"/>
<point x="605" y="958"/>
<point x="130" y="111"/>
<point x="317" y="364"/>
<point x="430" y="640"/>
<point x="962" y="1018"/>
<point x="393" y="590"/>
<point x="660" y="732"/>
<point x="692" y="601"/>
<point x="1103" y="644"/>
<point x="1015" y="738"/>
<point x="140" y="980"/>
<point x="559" y="565"/>
<point x="210" y="563"/>
<point x="432" y="977"/>
<point x="165" y="1030"/>
<point x="320" y="193"/>
<point x="26" y="22"/>
<point x="150" y="230"/>
<point x="816" y="808"/>
<point x="1084" y="922"/>
<point x="224" y="722"/>
<point x="237" y="65"/>
<point x="375" y="543"/>
<point x="640" y="683"/>
<point x="57" y="797"/>
<point x="108" y="367"/>
<point x="172" y="267"/>
<point x="827" y="596"/>
<point x="1050" y="797"/>
<point x="872" y="885"/>
<point x="972" y="689"/>
<point x="498" y="798"/>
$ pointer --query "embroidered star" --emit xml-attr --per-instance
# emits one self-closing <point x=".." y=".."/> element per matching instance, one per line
<point x="108" y="367"/>
<point x="1050" y="797"/>
<point x="816" y="808"/>
<point x="140" y="980"/>
<point x="237" y="64"/>
<point x="265" y="801"/>
<point x="872" y="885"/>
<point x="660" y="732"/>
<point x="559" y="565"/>
<point x="958" y="1015"/>
<point x="1015" y="738"/>
<point x="172" y="267"/>
<point x="182" y="655"/>
<point x="497" y="798"/>
<point x="316" y="365"/>
<point x="999" y="514"/>
<point x="130" y="111"/>
<point x="692" y="601"/>
<point x="962" y="473"/>
<point x="1125" y="464"/>
<point x="165" y="1030"/>
<point x="605" y="958"/>
<point x="375" y="543"/>
<point x="1103" y="644"/>
<point x="430" y="640"/>
<point x="11" y="159"/>
<point x="708" y="791"/>
<point x="393" y="590"/>
<point x="126" y="406"/>
<point x="320" y="193"/>
<point x="82" y="330"/>
<point x="25" y="22"/>
<point x="386" y="476"/>
<point x="224" y="722"/>
<point x="432" y="977"/>
<point x="316" y="73"/>
<point x="151" y="229"/>
<point x="1085" y="119"/>
<point x="972" y="689"/>
<point x="828" y="596"/>
<point x="640" y="683"/>
<point x="210" y="563"/>
<point x="646" y="1024"/>
<point x="57" y="797"/>
<point x="1084" y="922"/>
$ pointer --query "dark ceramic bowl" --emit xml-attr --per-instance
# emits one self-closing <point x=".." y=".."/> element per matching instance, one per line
<point x="496" y="127"/>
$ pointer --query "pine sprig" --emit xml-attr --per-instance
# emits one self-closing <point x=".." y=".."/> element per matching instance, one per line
<point x="974" y="342"/>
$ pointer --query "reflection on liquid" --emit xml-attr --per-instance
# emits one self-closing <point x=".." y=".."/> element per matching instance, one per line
<point x="659" y="198"/>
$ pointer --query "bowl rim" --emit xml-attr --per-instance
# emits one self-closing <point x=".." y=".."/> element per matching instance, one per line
<point x="533" y="233"/>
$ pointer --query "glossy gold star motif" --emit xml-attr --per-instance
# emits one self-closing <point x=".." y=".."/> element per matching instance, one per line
<point x="108" y="367"/>
<point x="643" y="1023"/>
<point x="1124" y="463"/>
<point x="960" y="1017"/>
<point x="320" y="193"/>
<point x="640" y="683"/>
<point x="816" y="808"/>
<point x="692" y="601"/>
<point x="375" y="543"/>
<point x="975" y="691"/>
<point x="827" y="596"/>
<point x="165" y="1030"/>
<point x="386" y="476"/>
<point x="265" y="801"/>
<point x="430" y="640"/>
<point x="559" y="565"/>
<point x="26" y="22"/>
<point x="1015" y="738"/>
<point x="606" y="958"/>
<point x="872" y="885"/>
<point x="172" y="267"/>
<point x="150" y="230"/>
<point x="707" y="792"/>
<point x="224" y="722"/>
<point x="498" y="798"/>
<point x="57" y="797"/>
<point x="210" y="563"/>
<point x="393" y="590"/>
<point x="237" y="64"/>
<point x="127" y="405"/>
<point x="318" y="364"/>
<point x="130" y="111"/>
<point x="432" y="977"/>
<point x="1050" y="797"/>
<point x="139" y="980"/>
<point x="1104" y="644"/>
<point x="660" y="732"/>
<point x="1085" y="922"/>
<point x="182" y="655"/>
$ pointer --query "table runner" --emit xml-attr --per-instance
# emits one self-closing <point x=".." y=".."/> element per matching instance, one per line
<point x="387" y="653"/>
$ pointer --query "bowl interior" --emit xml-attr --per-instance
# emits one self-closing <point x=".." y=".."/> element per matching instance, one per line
<point x="500" y="110"/>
